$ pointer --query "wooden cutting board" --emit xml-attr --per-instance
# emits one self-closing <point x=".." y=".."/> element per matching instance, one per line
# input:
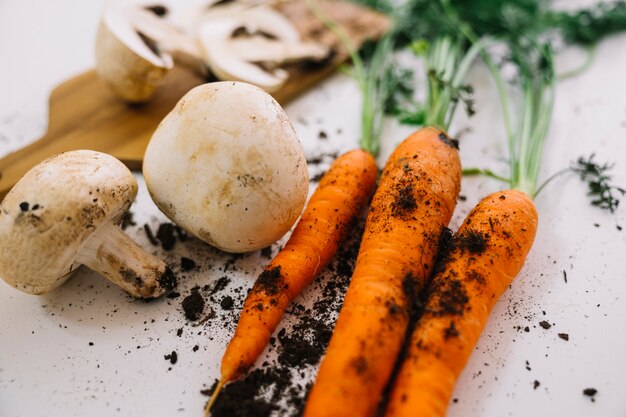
<point x="84" y="114"/>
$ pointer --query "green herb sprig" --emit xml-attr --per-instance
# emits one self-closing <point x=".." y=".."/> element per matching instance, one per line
<point x="604" y="194"/>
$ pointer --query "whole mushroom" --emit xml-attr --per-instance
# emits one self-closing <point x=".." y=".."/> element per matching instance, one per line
<point x="227" y="166"/>
<point x="63" y="214"/>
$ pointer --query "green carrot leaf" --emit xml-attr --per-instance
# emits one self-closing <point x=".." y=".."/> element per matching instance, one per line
<point x="596" y="175"/>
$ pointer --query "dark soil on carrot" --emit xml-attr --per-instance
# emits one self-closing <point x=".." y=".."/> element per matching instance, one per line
<point x="449" y="141"/>
<point x="270" y="282"/>
<point x="405" y="202"/>
<point x="472" y="241"/>
<point x="451" y="297"/>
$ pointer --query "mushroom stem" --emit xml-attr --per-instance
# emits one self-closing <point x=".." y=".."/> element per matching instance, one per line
<point x="112" y="253"/>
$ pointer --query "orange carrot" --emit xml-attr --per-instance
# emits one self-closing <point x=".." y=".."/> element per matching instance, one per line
<point x="486" y="254"/>
<point x="341" y="195"/>
<point x="414" y="202"/>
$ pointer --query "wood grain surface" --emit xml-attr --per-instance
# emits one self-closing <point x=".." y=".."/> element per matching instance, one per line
<point x="84" y="114"/>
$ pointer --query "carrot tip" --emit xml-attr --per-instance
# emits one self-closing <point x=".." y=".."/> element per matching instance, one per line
<point x="209" y="404"/>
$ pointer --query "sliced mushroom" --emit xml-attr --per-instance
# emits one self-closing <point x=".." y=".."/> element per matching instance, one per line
<point x="63" y="214"/>
<point x="195" y="16"/>
<point x="135" y="48"/>
<point x="269" y="41"/>
<point x="272" y="53"/>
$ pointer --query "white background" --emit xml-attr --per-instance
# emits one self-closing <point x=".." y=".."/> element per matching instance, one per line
<point x="47" y="367"/>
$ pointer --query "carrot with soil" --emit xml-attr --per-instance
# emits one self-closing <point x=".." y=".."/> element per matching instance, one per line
<point x="490" y="248"/>
<point x="341" y="195"/>
<point x="411" y="207"/>
<point x="486" y="254"/>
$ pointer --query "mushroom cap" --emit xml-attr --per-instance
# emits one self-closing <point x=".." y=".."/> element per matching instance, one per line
<point x="227" y="166"/>
<point x="50" y="213"/>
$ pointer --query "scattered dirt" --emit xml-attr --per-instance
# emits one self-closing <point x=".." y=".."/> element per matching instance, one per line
<point x="591" y="393"/>
<point x="165" y="235"/>
<point x="227" y="303"/>
<point x="127" y="220"/>
<point x="545" y="324"/>
<point x="193" y="305"/>
<point x="187" y="264"/>
<point x="220" y="284"/>
<point x="241" y="398"/>
<point x="318" y="159"/>
<point x="317" y="177"/>
<point x="172" y="357"/>
<point x="150" y="235"/>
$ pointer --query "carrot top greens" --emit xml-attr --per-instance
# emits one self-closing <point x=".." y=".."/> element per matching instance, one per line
<point x="530" y="32"/>
<point x="449" y="35"/>
<point x="387" y="89"/>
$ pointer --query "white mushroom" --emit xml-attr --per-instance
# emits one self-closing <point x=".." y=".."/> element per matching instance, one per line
<point x="135" y="49"/>
<point x="270" y="40"/>
<point x="227" y="166"/>
<point x="63" y="214"/>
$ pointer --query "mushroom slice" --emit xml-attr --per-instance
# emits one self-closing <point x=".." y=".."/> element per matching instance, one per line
<point x="64" y="213"/>
<point x="226" y="65"/>
<point x="255" y="14"/>
<point x="269" y="39"/>
<point x="272" y="53"/>
<point x="135" y="49"/>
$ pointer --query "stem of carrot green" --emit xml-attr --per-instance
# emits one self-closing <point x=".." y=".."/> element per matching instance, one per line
<point x="550" y="179"/>
<point x="468" y="32"/>
<point x="470" y="172"/>
<point x="527" y="123"/>
<point x="591" y="54"/>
